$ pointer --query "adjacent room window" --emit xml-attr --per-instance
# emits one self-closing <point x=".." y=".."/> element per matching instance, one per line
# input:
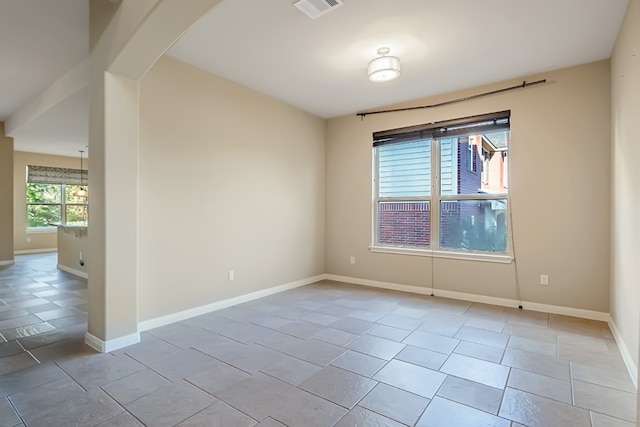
<point x="443" y="186"/>
<point x="50" y="197"/>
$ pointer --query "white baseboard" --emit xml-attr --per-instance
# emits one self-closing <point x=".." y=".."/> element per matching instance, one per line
<point x="624" y="350"/>
<point x="73" y="271"/>
<point x="35" y="251"/>
<point x="204" y="309"/>
<point x="110" y="345"/>
<point x="7" y="262"/>
<point x="505" y="302"/>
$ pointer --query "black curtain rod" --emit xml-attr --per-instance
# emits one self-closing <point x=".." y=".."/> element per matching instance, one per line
<point x="454" y="101"/>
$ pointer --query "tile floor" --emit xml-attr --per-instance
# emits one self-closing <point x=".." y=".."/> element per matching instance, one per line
<point x="321" y="355"/>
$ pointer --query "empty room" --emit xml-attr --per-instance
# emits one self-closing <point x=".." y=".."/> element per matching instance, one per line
<point x="319" y="213"/>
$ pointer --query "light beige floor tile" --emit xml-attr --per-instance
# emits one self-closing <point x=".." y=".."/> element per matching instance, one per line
<point x="401" y="322"/>
<point x="537" y="333"/>
<point x="389" y="332"/>
<point x="335" y="336"/>
<point x="605" y="400"/>
<point x="600" y="420"/>
<point x="478" y="336"/>
<point x="359" y="363"/>
<point x="275" y="340"/>
<point x="416" y="313"/>
<point x="320" y="318"/>
<point x="301" y="329"/>
<point x="338" y="386"/>
<point x="442" y="323"/>
<point x="291" y="370"/>
<point x="377" y="347"/>
<point x="443" y="412"/>
<point x="249" y="358"/>
<point x="613" y="378"/>
<point x="533" y="346"/>
<point x="8" y="415"/>
<point x="471" y="393"/>
<point x="352" y="325"/>
<point x="429" y="341"/>
<point x="88" y="409"/>
<point x="270" y="422"/>
<point x="421" y="357"/>
<point x="218" y="415"/>
<point x="536" y="411"/>
<point x="480" y="371"/>
<point x="217" y="378"/>
<point x="100" y="369"/>
<point x="135" y="386"/>
<point x="541" y="385"/>
<point x="170" y="405"/>
<point x="479" y="351"/>
<point x="123" y="420"/>
<point x="316" y="352"/>
<point x="487" y="324"/>
<point x="536" y="363"/>
<point x="395" y="403"/>
<point x="359" y="416"/>
<point x="414" y="379"/>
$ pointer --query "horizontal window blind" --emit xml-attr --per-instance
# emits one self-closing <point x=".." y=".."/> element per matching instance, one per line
<point x="51" y="175"/>
<point x="481" y="124"/>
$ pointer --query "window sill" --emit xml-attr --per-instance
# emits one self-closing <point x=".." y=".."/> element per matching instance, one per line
<point x="468" y="256"/>
<point x="38" y="230"/>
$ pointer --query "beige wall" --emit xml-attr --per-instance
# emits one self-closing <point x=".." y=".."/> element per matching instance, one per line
<point x="229" y="180"/>
<point x="6" y="197"/>
<point x="72" y="247"/>
<point x="39" y="241"/>
<point x="625" y="186"/>
<point x="560" y="183"/>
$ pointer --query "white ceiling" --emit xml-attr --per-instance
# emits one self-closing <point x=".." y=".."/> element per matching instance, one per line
<point x="317" y="65"/>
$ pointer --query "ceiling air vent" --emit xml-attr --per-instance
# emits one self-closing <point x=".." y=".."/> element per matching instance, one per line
<point x="315" y="8"/>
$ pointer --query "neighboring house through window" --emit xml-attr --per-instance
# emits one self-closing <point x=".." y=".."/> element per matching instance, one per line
<point x="429" y="192"/>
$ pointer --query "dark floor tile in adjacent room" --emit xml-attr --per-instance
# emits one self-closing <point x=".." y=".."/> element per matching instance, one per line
<point x="16" y="362"/>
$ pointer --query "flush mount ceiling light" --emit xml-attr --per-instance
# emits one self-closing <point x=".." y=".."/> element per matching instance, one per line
<point x="384" y="67"/>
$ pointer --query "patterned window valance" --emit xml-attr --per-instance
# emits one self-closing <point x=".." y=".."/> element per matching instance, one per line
<point x="49" y="175"/>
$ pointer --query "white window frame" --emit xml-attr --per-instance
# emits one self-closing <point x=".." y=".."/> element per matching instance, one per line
<point x="435" y="200"/>
<point x="63" y="209"/>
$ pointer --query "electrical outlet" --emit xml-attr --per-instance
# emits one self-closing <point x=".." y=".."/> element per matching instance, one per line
<point x="544" y="279"/>
<point x="352" y="260"/>
<point x="28" y="239"/>
<point x="231" y="275"/>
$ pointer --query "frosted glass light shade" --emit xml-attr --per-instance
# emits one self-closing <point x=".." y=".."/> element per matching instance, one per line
<point x="384" y="68"/>
<point x="81" y="192"/>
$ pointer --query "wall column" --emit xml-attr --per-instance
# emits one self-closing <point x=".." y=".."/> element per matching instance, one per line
<point x="127" y="37"/>
<point x="6" y="198"/>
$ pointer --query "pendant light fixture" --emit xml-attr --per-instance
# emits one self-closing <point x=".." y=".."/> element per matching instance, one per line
<point x="384" y="67"/>
<point x="82" y="191"/>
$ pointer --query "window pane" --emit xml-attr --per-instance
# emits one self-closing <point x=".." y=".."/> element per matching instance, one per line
<point x="404" y="224"/>
<point x="43" y="193"/>
<point x="474" y="164"/>
<point x="42" y="215"/>
<point x="474" y="225"/>
<point x="404" y="170"/>
<point x="70" y="198"/>
<point x="76" y="214"/>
